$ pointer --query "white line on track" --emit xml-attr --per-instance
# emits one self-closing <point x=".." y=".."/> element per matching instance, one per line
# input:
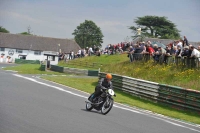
<point x="124" y="108"/>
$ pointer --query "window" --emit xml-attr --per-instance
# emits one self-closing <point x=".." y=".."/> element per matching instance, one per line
<point x="2" y="49"/>
<point x="19" y="51"/>
<point x="37" y="52"/>
<point x="51" y="58"/>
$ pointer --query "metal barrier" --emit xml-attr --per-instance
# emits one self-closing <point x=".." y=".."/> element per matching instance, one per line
<point x="73" y="70"/>
<point x="57" y="68"/>
<point x="23" y="61"/>
<point x="140" y="57"/>
<point x="173" y="96"/>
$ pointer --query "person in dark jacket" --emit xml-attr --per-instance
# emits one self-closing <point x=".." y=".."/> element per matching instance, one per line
<point x="104" y="84"/>
<point x="185" y="51"/>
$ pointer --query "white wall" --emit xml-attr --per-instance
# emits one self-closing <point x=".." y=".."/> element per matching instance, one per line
<point x="30" y="55"/>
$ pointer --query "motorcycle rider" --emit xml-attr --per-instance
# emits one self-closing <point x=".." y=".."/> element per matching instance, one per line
<point x="104" y="84"/>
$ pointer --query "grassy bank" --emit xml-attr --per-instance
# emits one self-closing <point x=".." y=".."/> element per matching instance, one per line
<point x="165" y="74"/>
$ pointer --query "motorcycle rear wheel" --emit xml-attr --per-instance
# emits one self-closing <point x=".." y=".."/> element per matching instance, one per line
<point x="89" y="107"/>
<point x="105" y="109"/>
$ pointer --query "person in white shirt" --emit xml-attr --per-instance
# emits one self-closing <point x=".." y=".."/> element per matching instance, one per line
<point x="79" y="53"/>
<point x="195" y="53"/>
<point x="199" y="48"/>
<point x="72" y="55"/>
<point x="90" y="51"/>
<point x="180" y="44"/>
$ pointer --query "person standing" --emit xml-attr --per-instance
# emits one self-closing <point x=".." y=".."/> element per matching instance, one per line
<point x="195" y="53"/>
<point x="185" y="41"/>
<point x="72" y="54"/>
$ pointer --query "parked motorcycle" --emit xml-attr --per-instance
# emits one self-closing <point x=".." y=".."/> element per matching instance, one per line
<point x="104" y="102"/>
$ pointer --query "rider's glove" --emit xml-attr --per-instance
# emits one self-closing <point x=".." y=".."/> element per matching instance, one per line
<point x="103" y="88"/>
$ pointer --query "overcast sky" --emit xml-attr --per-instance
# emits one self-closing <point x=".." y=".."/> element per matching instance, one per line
<point x="59" y="18"/>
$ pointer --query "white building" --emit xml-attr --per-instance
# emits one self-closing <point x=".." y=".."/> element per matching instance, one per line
<point x="31" y="47"/>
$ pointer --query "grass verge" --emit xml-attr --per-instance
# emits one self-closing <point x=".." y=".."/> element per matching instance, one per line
<point x="31" y="69"/>
<point x="88" y="85"/>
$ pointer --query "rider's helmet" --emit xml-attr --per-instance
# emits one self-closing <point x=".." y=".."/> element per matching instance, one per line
<point x="108" y="76"/>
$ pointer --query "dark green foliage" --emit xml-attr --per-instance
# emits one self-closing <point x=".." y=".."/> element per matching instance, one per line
<point x="156" y="27"/>
<point x="88" y="34"/>
<point x="25" y="33"/>
<point x="3" y="30"/>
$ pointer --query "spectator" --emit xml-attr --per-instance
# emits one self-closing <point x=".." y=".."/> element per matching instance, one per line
<point x="149" y="49"/>
<point x="130" y="53"/>
<point x="66" y="56"/>
<point x="159" y="53"/>
<point x="178" y="52"/>
<point x="90" y="51"/>
<point x="138" y="52"/>
<point x="198" y="48"/>
<point x="190" y="50"/>
<point x="143" y="47"/>
<point x="79" y="53"/>
<point x="61" y="56"/>
<point x="82" y="53"/>
<point x="156" y="53"/>
<point x="180" y="44"/>
<point x="185" y="41"/>
<point x="185" y="51"/>
<point x="72" y="54"/>
<point x="195" y="53"/>
<point x="168" y="53"/>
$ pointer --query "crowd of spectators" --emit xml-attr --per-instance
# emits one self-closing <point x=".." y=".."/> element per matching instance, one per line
<point x="88" y="51"/>
<point x="178" y="48"/>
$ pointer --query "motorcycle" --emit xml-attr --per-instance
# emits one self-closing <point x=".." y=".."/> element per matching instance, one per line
<point x="104" y="102"/>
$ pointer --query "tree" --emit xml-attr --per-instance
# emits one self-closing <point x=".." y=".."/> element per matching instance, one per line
<point x="156" y="27"/>
<point x="28" y="31"/>
<point x="25" y="33"/>
<point x="87" y="34"/>
<point x="3" y="30"/>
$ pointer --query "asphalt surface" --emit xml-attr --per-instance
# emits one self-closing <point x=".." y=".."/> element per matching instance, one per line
<point x="32" y="105"/>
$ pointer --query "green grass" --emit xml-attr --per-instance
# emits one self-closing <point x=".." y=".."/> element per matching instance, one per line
<point x="30" y="69"/>
<point x="164" y="74"/>
<point x="100" y="62"/>
<point x="88" y="85"/>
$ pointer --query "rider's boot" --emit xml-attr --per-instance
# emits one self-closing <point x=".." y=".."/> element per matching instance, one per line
<point x="91" y="98"/>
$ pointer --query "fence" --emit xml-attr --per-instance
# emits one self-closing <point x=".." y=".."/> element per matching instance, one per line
<point x="176" y="97"/>
<point x="74" y="70"/>
<point x="23" y="61"/>
<point x="170" y="60"/>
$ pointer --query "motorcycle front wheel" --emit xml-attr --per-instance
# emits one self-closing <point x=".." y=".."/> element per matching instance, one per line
<point x="89" y="106"/>
<point x="107" y="106"/>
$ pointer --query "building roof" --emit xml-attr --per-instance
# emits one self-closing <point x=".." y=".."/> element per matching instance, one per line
<point x="32" y="42"/>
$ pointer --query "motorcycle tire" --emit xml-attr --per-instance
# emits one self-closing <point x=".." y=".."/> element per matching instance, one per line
<point x="108" y="108"/>
<point x="89" y="107"/>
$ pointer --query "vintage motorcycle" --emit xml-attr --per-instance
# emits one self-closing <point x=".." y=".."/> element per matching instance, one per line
<point x="104" y="102"/>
